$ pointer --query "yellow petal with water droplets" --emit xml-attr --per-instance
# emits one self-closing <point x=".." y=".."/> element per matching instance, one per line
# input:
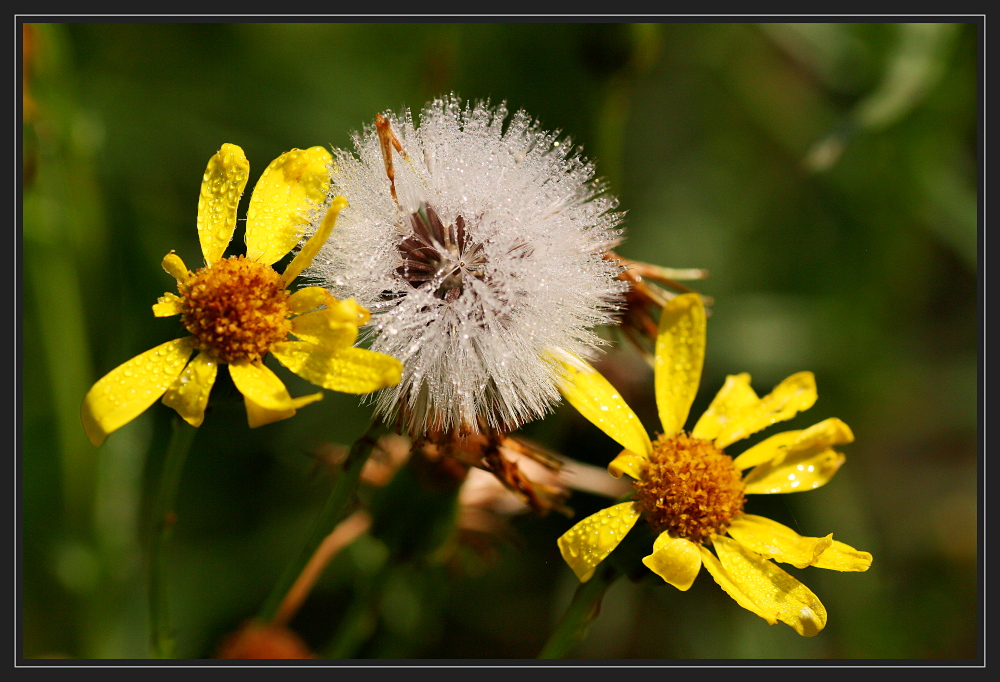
<point x="168" y="304"/>
<point x="281" y="206"/>
<point x="842" y="557"/>
<point x="767" y="450"/>
<point x="628" y="462"/>
<point x="595" y="398"/>
<point x="348" y="370"/>
<point x="731" y="587"/>
<point x="304" y="258"/>
<point x="680" y="354"/>
<point x="770" y="588"/>
<point x="259" y="416"/>
<point x="175" y="267"/>
<point x="325" y="328"/>
<point x="125" y="392"/>
<point x="773" y="540"/>
<point x="308" y="298"/>
<point x="263" y="387"/>
<point x="348" y="311"/>
<point x="791" y="396"/>
<point x="795" y="472"/>
<point x="676" y="560"/>
<point x="825" y="434"/>
<point x="188" y="395"/>
<point x="221" y="189"/>
<point x="734" y="397"/>
<point x="589" y="542"/>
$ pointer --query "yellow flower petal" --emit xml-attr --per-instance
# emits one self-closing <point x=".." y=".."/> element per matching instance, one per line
<point x="791" y="396"/>
<point x="307" y="299"/>
<point x="771" y="588"/>
<point x="348" y="370"/>
<point x="188" y="394"/>
<point x="175" y="267"/>
<point x="589" y="542"/>
<point x="627" y="462"/>
<point x="264" y="388"/>
<point x="168" y="304"/>
<point x="221" y="189"/>
<point x="795" y="472"/>
<point x="259" y="416"/>
<point x="773" y="540"/>
<point x="842" y="557"/>
<point x="304" y="258"/>
<point x="289" y="190"/>
<point x="676" y="560"/>
<point x="680" y="353"/>
<point x="825" y="434"/>
<point x="348" y="311"/>
<point x="595" y="398"/>
<point x="734" y="397"/>
<point x="125" y="392"/>
<point x="729" y="584"/>
<point x="768" y="449"/>
<point x="323" y="327"/>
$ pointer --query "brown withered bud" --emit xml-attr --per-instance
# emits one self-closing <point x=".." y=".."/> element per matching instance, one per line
<point x="650" y="287"/>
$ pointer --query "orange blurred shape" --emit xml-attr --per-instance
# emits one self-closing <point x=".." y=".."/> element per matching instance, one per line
<point x="260" y="640"/>
<point x="28" y="48"/>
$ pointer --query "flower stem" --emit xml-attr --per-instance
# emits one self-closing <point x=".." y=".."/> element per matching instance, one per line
<point x="340" y="497"/>
<point x="581" y="613"/>
<point x="164" y="519"/>
<point x="346" y="532"/>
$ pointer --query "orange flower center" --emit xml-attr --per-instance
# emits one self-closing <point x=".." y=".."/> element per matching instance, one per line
<point x="690" y="488"/>
<point x="236" y="308"/>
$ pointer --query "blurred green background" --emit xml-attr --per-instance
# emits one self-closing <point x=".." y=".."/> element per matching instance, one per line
<point x="825" y="175"/>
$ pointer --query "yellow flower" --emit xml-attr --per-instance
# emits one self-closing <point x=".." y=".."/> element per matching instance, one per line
<point x="691" y="492"/>
<point x="238" y="309"/>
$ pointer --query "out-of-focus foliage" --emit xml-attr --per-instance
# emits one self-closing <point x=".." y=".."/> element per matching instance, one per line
<point x="825" y="174"/>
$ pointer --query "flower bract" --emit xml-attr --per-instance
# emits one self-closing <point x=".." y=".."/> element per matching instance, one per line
<point x="692" y="493"/>
<point x="239" y="309"/>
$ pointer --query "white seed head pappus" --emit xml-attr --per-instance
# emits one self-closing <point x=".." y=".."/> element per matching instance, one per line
<point x="479" y="249"/>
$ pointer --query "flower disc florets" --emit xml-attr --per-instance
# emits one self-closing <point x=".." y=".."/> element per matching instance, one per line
<point x="478" y="251"/>
<point x="236" y="308"/>
<point x="690" y="488"/>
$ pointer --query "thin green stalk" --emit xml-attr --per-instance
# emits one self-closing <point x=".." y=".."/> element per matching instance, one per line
<point x="336" y="505"/>
<point x="581" y="613"/>
<point x="164" y="519"/>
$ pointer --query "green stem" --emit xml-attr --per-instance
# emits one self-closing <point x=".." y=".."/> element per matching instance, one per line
<point x="334" y="510"/>
<point x="581" y="613"/>
<point x="164" y="519"/>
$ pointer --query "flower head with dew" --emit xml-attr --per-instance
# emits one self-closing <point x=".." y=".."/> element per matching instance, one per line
<point x="238" y="309"/>
<point x="478" y="247"/>
<point x="692" y="493"/>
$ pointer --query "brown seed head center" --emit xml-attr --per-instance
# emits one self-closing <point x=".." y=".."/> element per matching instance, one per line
<point x="690" y="488"/>
<point x="439" y="257"/>
<point x="236" y="308"/>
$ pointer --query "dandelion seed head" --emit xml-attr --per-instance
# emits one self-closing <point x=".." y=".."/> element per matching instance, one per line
<point x="490" y="256"/>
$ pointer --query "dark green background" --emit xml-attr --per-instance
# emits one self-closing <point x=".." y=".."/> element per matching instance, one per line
<point x="720" y="141"/>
